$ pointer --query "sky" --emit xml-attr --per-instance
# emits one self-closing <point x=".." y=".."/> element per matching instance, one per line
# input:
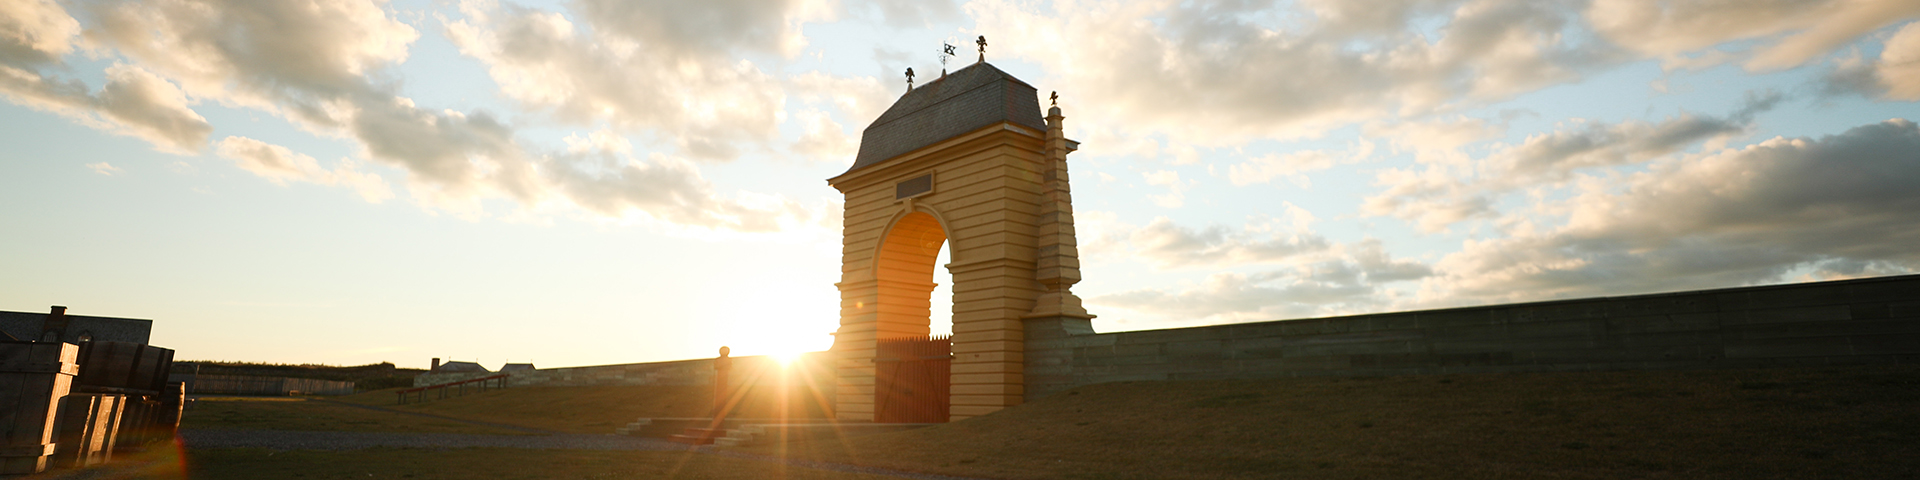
<point x="613" y="181"/>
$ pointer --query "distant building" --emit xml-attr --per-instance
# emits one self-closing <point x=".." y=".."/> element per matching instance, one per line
<point x="457" y="367"/>
<point x="57" y="325"/>
<point x="514" y="367"/>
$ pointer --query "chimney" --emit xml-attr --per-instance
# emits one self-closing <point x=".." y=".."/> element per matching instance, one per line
<point x="55" y="327"/>
<point x="436" y="365"/>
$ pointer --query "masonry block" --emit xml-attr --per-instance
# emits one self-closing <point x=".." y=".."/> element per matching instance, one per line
<point x="1788" y="347"/>
<point x="1799" y="314"/>
<point x="1651" y="305"/>
<point x="1886" y="290"/>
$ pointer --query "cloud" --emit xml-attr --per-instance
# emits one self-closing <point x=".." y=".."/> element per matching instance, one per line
<point x="856" y="98"/>
<point x="1295" y="165"/>
<point x="704" y="28"/>
<point x="1343" y="279"/>
<point x="301" y="57"/>
<point x="1899" y="67"/>
<point x="1219" y="73"/>
<point x="905" y="14"/>
<point x="1235" y="297"/>
<point x="659" y="68"/>
<point x="1806" y="28"/>
<point x="281" y="165"/>
<point x="1431" y="198"/>
<point x="1895" y="75"/>
<point x="1176" y="190"/>
<point x="35" y="32"/>
<point x="36" y="35"/>
<point x="1167" y="245"/>
<point x="326" y="65"/>
<point x="1589" y="145"/>
<point x="133" y="102"/>
<point x="152" y="109"/>
<point x="104" y="169"/>
<point x="1437" y="141"/>
<point x="1437" y="195"/>
<point x="821" y="138"/>
<point x="1841" y="203"/>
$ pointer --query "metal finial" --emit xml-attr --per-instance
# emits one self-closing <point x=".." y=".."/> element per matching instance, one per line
<point x="1055" y="98"/>
<point x="945" y="54"/>
<point x="909" y="78"/>
<point x="982" y="42"/>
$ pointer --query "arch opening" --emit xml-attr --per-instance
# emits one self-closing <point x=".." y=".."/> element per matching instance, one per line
<point x="912" y="365"/>
<point x="905" y="270"/>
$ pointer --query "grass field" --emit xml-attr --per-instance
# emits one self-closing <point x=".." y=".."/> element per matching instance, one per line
<point x="1854" y="422"/>
<point x="573" y="409"/>
<point x="283" y="413"/>
<point x="563" y="409"/>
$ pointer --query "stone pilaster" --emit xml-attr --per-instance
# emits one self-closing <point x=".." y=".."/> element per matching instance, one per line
<point x="1057" y="267"/>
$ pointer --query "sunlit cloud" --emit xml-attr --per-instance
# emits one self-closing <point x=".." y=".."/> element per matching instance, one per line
<point x="104" y="169"/>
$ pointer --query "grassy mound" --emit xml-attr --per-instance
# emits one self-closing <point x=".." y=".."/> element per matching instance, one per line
<point x="1852" y="422"/>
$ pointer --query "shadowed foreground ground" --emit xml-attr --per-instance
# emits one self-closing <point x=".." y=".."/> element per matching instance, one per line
<point x="1851" y="422"/>
<point x="1837" y="422"/>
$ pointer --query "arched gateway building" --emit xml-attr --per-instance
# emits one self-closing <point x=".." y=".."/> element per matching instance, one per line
<point x="966" y="158"/>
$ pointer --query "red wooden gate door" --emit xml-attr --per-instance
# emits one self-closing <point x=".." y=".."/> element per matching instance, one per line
<point x="910" y="379"/>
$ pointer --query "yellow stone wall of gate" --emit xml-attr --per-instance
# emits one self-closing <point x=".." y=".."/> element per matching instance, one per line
<point x="985" y="201"/>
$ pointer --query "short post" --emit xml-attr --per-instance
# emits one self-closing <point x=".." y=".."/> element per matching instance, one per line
<point x="721" y="366"/>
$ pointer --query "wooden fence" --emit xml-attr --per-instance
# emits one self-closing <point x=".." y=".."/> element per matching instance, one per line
<point x="246" y="385"/>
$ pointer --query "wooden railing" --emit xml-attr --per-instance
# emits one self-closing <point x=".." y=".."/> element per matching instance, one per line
<point x="421" y="394"/>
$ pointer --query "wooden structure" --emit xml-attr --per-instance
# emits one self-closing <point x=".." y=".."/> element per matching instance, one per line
<point x="256" y="385"/>
<point x="90" y="425"/>
<point x="482" y="384"/>
<point x="968" y="159"/>
<point x="911" y="376"/>
<point x="34" y="377"/>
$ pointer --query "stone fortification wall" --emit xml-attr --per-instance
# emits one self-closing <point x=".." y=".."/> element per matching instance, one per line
<point x="683" y="372"/>
<point x="755" y="369"/>
<point x="1839" y="322"/>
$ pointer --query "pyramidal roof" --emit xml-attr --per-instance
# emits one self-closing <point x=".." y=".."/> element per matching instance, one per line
<point x="961" y="102"/>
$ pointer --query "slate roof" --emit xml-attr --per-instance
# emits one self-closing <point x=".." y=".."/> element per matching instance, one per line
<point x="26" y="326"/>
<point x="454" y="367"/>
<point x="963" y="101"/>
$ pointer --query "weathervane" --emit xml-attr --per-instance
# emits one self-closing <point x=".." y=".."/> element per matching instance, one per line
<point x="982" y="42"/>
<point x="1055" y="98"/>
<point x="945" y="54"/>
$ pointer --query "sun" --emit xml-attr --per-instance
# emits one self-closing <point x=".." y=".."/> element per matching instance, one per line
<point x="786" y="359"/>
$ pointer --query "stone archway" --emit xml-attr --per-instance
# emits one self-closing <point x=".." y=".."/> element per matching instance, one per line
<point x="965" y="159"/>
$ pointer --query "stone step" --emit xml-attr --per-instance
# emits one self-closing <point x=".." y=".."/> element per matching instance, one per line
<point x="706" y="432"/>
<point x="698" y="436"/>
<point x="633" y="427"/>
